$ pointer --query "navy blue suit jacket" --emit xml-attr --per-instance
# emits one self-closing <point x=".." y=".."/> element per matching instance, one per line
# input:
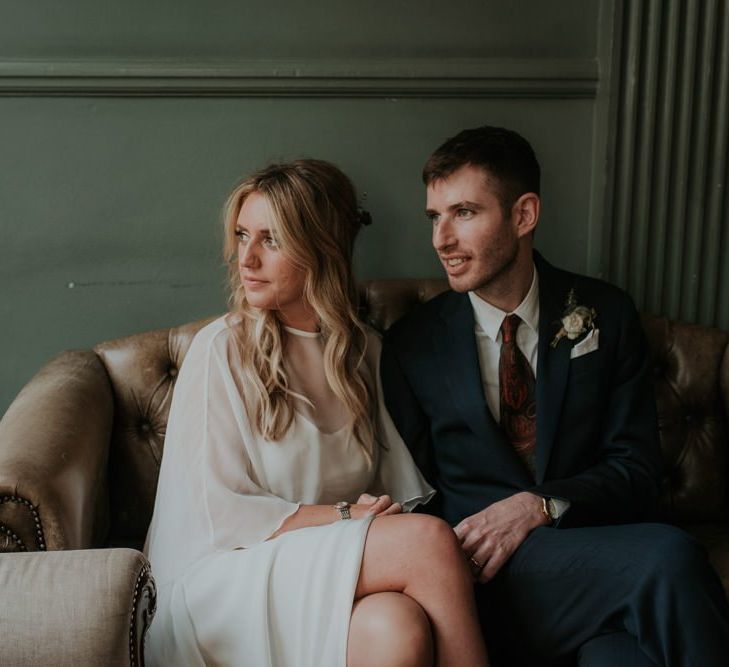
<point x="597" y="437"/>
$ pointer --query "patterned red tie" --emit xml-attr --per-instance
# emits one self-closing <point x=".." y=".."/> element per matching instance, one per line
<point x="516" y="393"/>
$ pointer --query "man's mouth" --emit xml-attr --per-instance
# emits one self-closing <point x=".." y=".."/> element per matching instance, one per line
<point x="452" y="262"/>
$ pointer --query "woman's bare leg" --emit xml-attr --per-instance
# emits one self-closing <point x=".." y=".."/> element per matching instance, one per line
<point x="419" y="556"/>
<point x="389" y="630"/>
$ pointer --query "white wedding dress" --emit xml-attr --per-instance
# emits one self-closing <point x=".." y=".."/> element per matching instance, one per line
<point x="228" y="595"/>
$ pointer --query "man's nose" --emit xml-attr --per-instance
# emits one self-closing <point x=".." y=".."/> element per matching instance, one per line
<point x="443" y="236"/>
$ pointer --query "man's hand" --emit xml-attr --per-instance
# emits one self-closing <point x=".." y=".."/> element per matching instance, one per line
<point x="489" y="537"/>
<point x="379" y="505"/>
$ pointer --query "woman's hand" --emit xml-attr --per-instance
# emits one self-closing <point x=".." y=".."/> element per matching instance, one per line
<point x="317" y="515"/>
<point x="368" y="505"/>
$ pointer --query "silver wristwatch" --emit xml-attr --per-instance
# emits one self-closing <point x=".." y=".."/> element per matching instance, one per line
<point x="342" y="508"/>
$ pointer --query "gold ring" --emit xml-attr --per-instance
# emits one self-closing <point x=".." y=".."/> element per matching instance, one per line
<point x="476" y="563"/>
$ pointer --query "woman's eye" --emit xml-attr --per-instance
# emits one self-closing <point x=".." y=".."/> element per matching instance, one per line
<point x="271" y="242"/>
<point x="241" y="235"/>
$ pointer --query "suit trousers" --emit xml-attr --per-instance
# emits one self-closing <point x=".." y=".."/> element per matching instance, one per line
<point x="569" y="594"/>
<point x="611" y="650"/>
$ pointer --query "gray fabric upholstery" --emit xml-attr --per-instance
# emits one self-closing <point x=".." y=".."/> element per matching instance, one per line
<point x="72" y="608"/>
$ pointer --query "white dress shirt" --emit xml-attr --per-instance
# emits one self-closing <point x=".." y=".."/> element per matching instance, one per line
<point x="488" y="341"/>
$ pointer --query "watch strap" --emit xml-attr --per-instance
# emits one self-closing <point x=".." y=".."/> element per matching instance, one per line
<point x="342" y="508"/>
<point x="546" y="510"/>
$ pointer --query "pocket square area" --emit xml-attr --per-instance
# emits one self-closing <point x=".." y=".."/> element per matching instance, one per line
<point x="588" y="344"/>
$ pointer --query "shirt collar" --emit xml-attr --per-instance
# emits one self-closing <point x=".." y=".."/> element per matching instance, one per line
<point x="489" y="318"/>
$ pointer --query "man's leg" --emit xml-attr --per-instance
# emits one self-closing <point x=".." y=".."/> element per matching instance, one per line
<point x="564" y="587"/>
<point x="616" y="649"/>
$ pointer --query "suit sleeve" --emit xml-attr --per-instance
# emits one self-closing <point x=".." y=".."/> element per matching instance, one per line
<point x="410" y="421"/>
<point x="622" y="486"/>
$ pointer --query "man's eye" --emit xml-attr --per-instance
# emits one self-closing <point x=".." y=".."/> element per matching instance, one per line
<point x="432" y="217"/>
<point x="464" y="212"/>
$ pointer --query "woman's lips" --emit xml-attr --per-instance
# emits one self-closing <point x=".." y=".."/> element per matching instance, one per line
<point x="254" y="282"/>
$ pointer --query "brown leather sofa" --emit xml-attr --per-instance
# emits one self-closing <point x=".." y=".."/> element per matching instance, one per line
<point x="80" y="450"/>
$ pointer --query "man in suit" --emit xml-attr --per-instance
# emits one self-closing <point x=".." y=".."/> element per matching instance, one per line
<point x="524" y="395"/>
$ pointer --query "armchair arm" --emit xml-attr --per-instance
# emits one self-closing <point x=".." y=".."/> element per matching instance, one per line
<point x="54" y="442"/>
<point x="75" y="608"/>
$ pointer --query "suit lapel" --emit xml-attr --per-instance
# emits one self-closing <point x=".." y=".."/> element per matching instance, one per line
<point x="552" y="363"/>
<point x="455" y="341"/>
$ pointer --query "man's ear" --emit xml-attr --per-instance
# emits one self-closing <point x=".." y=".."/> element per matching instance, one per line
<point x="525" y="213"/>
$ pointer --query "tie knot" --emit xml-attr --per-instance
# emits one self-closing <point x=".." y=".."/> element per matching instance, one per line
<point x="508" y="328"/>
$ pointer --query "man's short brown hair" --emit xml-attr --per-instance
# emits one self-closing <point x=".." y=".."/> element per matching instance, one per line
<point x="503" y="154"/>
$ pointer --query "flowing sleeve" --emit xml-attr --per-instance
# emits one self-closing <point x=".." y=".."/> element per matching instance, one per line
<point x="397" y="475"/>
<point x="240" y="511"/>
<point x="211" y="495"/>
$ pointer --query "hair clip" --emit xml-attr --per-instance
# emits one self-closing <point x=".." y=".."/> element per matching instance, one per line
<point x="363" y="217"/>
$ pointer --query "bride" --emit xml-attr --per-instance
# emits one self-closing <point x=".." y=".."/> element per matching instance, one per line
<point x="281" y="534"/>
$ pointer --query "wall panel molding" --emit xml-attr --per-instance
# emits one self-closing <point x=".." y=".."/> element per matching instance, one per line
<point x="667" y="220"/>
<point x="451" y="78"/>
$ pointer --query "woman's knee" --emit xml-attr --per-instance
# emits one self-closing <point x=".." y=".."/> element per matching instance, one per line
<point x="437" y="546"/>
<point x="430" y="535"/>
<point x="389" y="629"/>
<point x="404" y="551"/>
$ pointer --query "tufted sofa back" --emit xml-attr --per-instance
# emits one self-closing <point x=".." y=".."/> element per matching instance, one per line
<point x="142" y="369"/>
<point x="691" y="377"/>
<point x="691" y="371"/>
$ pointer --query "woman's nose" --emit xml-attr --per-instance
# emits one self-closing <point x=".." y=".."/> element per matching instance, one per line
<point x="248" y="257"/>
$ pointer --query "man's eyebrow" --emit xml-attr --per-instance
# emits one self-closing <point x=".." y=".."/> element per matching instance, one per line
<point x="454" y="207"/>
<point x="464" y="204"/>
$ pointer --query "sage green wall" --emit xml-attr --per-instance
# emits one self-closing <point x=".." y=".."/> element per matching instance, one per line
<point x="667" y="197"/>
<point x="122" y="130"/>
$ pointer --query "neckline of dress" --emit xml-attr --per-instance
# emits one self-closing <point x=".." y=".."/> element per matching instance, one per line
<point x="311" y="424"/>
<point x="302" y="333"/>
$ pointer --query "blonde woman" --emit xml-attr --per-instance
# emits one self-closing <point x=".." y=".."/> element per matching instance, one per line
<point x="277" y="425"/>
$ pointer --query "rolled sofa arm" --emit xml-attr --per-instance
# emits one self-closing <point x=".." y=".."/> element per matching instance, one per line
<point x="75" y="608"/>
<point x="54" y="443"/>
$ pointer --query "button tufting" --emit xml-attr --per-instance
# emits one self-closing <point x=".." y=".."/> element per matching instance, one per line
<point x="172" y="372"/>
<point x="145" y="427"/>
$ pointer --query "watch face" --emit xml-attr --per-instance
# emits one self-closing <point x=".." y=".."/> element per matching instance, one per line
<point x="552" y="509"/>
<point x="341" y="505"/>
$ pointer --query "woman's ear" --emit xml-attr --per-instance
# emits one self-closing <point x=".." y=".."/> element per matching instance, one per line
<point x="525" y="213"/>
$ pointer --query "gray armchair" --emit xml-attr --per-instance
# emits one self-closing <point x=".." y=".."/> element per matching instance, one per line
<point x="79" y="606"/>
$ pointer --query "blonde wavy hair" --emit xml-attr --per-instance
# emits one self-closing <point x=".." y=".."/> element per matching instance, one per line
<point x="316" y="221"/>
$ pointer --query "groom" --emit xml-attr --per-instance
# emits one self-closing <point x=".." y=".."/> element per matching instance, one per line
<point x="524" y="395"/>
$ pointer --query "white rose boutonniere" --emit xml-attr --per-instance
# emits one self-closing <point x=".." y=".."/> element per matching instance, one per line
<point x="576" y="320"/>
